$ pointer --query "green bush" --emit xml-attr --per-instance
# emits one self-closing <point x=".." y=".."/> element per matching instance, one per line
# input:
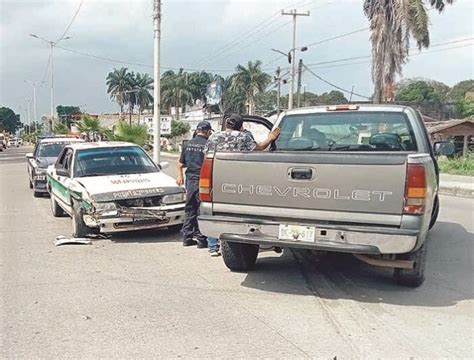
<point x="457" y="166"/>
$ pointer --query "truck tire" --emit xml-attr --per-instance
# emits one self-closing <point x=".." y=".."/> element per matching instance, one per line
<point x="79" y="227"/>
<point x="37" y="194"/>
<point x="416" y="276"/>
<point x="238" y="256"/>
<point x="31" y="184"/>
<point x="56" y="210"/>
<point x="434" y="213"/>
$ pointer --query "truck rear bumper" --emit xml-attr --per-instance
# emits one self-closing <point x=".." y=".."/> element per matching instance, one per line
<point x="340" y="238"/>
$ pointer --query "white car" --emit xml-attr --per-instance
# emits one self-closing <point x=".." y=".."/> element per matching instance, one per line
<point x="109" y="187"/>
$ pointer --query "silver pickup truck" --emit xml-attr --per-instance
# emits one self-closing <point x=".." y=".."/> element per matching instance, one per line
<point x="360" y="179"/>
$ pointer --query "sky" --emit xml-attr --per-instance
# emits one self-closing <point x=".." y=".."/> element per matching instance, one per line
<point x="212" y="35"/>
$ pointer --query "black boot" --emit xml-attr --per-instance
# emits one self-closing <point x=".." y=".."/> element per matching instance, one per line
<point x="189" y="242"/>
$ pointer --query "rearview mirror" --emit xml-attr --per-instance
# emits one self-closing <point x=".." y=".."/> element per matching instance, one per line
<point x="164" y="165"/>
<point x="29" y="155"/>
<point x="444" y="148"/>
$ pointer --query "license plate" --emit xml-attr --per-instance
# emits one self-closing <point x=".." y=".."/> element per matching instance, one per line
<point x="40" y="177"/>
<point x="297" y="233"/>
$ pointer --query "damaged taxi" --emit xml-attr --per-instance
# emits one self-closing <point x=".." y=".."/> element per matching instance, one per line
<point x="109" y="187"/>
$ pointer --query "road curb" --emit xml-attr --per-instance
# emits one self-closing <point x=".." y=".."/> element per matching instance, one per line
<point x="456" y="191"/>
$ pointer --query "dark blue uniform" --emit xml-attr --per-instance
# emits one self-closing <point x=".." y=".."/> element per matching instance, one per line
<point x="192" y="157"/>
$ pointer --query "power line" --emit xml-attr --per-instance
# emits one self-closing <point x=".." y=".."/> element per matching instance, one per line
<point x="237" y="39"/>
<point x="369" y="61"/>
<point x="369" y="56"/>
<point x="337" y="37"/>
<point x="334" y="85"/>
<point x="245" y="37"/>
<point x="323" y="41"/>
<point x="272" y="31"/>
<point x="103" y="58"/>
<point x="72" y="21"/>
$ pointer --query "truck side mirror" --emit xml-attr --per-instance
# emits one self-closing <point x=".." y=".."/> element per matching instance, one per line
<point x="29" y="155"/>
<point x="444" y="148"/>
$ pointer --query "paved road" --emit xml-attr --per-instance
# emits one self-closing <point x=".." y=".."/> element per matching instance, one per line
<point x="144" y="295"/>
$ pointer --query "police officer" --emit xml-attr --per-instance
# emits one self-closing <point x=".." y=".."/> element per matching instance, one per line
<point x="192" y="157"/>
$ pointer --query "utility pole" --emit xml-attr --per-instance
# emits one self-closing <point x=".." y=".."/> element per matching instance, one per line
<point x="156" y="74"/>
<point x="278" y="85"/>
<point x="298" y="88"/>
<point x="304" y="95"/>
<point x="294" y="13"/>
<point x="28" y="115"/>
<point x="35" y="119"/>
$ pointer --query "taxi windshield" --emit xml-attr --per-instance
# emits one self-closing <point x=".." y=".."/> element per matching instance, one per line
<point x="113" y="161"/>
<point x="50" y="149"/>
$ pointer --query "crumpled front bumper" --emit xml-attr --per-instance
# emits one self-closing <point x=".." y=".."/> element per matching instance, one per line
<point x="136" y="218"/>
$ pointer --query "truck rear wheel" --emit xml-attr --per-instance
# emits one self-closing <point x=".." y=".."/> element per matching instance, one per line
<point x="238" y="256"/>
<point x="416" y="276"/>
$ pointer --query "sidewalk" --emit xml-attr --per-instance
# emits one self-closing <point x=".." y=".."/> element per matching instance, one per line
<point x="456" y="185"/>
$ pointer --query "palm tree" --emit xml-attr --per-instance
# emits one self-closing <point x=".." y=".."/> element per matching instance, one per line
<point x="175" y="90"/>
<point x="392" y="23"/>
<point x="137" y="134"/>
<point x="252" y="80"/>
<point x="89" y="124"/>
<point x="143" y="85"/>
<point x="60" y="128"/>
<point x="198" y="82"/>
<point x="119" y="81"/>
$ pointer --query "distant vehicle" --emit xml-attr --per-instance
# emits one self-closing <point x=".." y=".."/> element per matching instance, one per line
<point x="13" y="142"/>
<point x="3" y="142"/>
<point x="109" y="187"/>
<point x="20" y="141"/>
<point x="347" y="178"/>
<point x="45" y="153"/>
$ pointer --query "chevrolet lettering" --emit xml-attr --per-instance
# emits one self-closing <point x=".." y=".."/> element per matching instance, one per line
<point x="317" y="193"/>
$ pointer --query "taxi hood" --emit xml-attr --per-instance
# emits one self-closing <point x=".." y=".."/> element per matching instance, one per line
<point x="128" y="186"/>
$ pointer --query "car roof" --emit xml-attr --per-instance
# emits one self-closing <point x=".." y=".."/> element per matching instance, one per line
<point x="360" y="107"/>
<point x="101" y="145"/>
<point x="61" y="140"/>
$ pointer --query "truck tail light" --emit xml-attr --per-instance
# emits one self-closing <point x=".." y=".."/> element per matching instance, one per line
<point x="205" y="180"/>
<point x="415" y="190"/>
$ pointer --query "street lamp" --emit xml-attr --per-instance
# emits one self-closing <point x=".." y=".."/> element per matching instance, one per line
<point x="35" y="119"/>
<point x="291" y="61"/>
<point x="52" y="44"/>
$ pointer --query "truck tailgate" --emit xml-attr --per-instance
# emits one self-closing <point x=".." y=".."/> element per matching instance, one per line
<point x="340" y="182"/>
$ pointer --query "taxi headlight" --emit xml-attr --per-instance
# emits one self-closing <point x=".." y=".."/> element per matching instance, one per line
<point x="173" y="198"/>
<point x="40" y="171"/>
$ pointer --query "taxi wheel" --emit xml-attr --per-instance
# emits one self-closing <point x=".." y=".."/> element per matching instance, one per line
<point x="56" y="210"/>
<point x="79" y="227"/>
